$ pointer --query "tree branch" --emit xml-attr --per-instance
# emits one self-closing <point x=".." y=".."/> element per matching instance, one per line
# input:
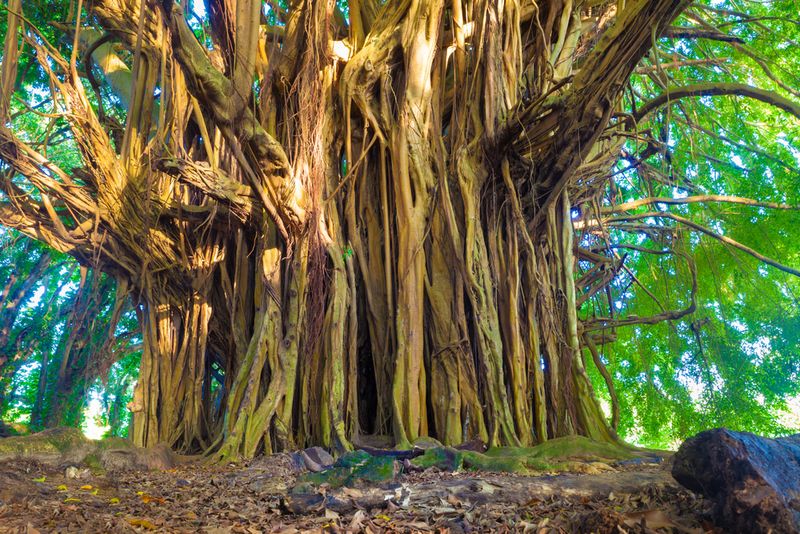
<point x="718" y="89"/>
<point x="627" y="206"/>
<point x="678" y="32"/>
<point x="702" y="229"/>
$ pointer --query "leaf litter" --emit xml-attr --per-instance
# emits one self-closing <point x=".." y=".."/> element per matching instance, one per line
<point x="254" y="497"/>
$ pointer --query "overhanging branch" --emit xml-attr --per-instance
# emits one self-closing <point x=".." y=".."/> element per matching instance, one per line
<point x="718" y="89"/>
<point x="702" y="229"/>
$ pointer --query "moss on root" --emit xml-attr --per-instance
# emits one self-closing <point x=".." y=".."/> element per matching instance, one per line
<point x="114" y="442"/>
<point x="562" y="454"/>
<point x="351" y="469"/>
<point x="53" y="441"/>
<point x="66" y="445"/>
<point x="571" y="447"/>
<point x="444" y="458"/>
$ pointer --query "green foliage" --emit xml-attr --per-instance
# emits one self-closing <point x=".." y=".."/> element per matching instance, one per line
<point x="47" y="325"/>
<point x="733" y="362"/>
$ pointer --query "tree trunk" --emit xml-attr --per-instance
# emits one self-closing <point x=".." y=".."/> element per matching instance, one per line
<point x="754" y="481"/>
<point x="387" y="214"/>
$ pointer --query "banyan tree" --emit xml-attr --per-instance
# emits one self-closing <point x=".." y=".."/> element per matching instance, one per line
<point x="339" y="218"/>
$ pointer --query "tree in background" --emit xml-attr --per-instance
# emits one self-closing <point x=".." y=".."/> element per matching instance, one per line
<point x="63" y="327"/>
<point x="412" y="217"/>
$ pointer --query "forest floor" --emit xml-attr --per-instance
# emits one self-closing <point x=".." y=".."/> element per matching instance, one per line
<point x="253" y="497"/>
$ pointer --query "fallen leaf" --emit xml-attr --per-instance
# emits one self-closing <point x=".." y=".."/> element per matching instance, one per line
<point x="113" y="500"/>
<point x="40" y="479"/>
<point x="71" y="499"/>
<point x="87" y="487"/>
<point x="149" y="498"/>
<point x="62" y="487"/>
<point x="653" y="519"/>
<point x="358" y="518"/>
<point x="144" y="523"/>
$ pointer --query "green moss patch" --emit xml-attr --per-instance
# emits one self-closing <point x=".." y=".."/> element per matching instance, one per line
<point x="52" y="441"/>
<point x="351" y="469"/>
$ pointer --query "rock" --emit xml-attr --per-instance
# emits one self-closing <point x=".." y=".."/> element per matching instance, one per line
<point x="303" y="503"/>
<point x="426" y="442"/>
<point x="268" y="484"/>
<point x="316" y="459"/>
<point x="754" y="481"/>
<point x="297" y="462"/>
<point x="353" y="459"/>
<point x="75" y="472"/>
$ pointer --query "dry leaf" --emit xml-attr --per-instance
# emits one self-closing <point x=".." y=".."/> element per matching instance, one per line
<point x="149" y="498"/>
<point x="144" y="523"/>
<point x="654" y="519"/>
<point x="358" y="518"/>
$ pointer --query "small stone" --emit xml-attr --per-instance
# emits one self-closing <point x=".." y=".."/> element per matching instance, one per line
<point x="319" y="456"/>
<point x="303" y="503"/>
<point x="427" y="442"/>
<point x="310" y="464"/>
<point x="74" y="472"/>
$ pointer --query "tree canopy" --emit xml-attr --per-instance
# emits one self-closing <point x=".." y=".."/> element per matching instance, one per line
<point x="313" y="220"/>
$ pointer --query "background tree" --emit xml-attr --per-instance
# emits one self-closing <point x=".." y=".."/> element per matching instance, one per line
<point x="63" y="327"/>
<point x="416" y="217"/>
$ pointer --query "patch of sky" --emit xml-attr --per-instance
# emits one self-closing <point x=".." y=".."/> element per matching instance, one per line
<point x="793" y="150"/>
<point x="739" y="326"/>
<point x="717" y="227"/>
<point x="757" y="350"/>
<point x="91" y="426"/>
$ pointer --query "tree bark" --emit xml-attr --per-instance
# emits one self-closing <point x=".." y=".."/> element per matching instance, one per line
<point x="754" y="481"/>
<point x="403" y="176"/>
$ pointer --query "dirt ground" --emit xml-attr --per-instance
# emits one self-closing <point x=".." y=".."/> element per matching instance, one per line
<point x="253" y="497"/>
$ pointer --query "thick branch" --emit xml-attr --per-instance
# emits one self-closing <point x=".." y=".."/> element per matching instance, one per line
<point x="678" y="32"/>
<point x="588" y="106"/>
<point x="214" y="183"/>
<point x="702" y="229"/>
<point x="627" y="206"/>
<point x="282" y="197"/>
<point x="718" y="89"/>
